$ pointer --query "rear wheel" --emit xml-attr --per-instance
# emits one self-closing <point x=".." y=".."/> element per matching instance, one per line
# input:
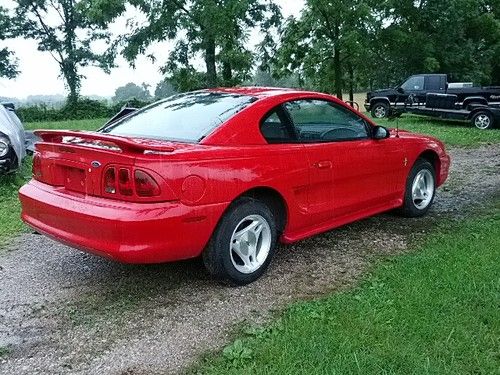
<point x="380" y="110"/>
<point x="420" y="189"/>
<point x="483" y="120"/>
<point x="243" y="243"/>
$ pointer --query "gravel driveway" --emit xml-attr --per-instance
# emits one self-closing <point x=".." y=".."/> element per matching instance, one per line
<point x="62" y="311"/>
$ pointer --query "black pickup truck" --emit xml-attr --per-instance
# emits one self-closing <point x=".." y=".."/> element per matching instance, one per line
<point x="413" y="93"/>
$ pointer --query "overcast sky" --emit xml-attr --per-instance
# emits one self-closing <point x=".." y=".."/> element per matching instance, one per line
<point x="40" y="73"/>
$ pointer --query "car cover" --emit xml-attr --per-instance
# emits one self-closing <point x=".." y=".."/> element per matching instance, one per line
<point x="13" y="129"/>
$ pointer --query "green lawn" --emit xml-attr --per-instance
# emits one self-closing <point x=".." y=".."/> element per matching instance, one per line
<point x="451" y="133"/>
<point x="92" y="124"/>
<point x="10" y="208"/>
<point x="435" y="311"/>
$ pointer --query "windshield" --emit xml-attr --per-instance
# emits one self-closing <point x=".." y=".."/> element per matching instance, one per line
<point x="186" y="118"/>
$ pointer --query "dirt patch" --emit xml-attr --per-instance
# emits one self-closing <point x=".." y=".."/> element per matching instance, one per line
<point x="62" y="311"/>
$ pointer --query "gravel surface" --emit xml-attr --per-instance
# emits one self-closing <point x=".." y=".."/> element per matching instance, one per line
<point x="62" y="311"/>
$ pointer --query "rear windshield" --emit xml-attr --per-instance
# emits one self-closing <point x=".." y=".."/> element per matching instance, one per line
<point x="185" y="118"/>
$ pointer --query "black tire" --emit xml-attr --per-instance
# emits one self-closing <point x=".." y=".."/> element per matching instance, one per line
<point x="380" y="110"/>
<point x="218" y="256"/>
<point x="410" y="206"/>
<point x="483" y="120"/>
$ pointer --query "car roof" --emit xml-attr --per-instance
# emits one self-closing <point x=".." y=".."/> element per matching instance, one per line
<point x="260" y="92"/>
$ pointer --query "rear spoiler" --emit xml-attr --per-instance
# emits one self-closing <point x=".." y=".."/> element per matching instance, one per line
<point x="92" y="138"/>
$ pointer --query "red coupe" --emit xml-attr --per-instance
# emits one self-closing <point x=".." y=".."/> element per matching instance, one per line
<point x="225" y="174"/>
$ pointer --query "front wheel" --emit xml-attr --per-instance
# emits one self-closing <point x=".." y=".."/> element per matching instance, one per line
<point x="483" y="120"/>
<point x="420" y="189"/>
<point x="380" y="110"/>
<point x="243" y="243"/>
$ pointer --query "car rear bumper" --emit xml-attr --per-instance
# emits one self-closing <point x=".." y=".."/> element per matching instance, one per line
<point x="368" y="107"/>
<point x="126" y="232"/>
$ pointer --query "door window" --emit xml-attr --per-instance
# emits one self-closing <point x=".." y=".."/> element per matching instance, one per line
<point x="323" y="121"/>
<point x="414" y="84"/>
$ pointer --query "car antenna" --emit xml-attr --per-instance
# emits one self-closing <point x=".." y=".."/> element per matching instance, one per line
<point x="393" y="117"/>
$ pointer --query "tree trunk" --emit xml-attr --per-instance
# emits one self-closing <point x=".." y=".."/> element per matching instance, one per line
<point x="210" y="63"/>
<point x="351" y="82"/>
<point x="337" y="68"/>
<point x="227" y="74"/>
<point x="72" y="79"/>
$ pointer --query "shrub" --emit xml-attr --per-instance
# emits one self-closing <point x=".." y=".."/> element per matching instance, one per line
<point x="83" y="109"/>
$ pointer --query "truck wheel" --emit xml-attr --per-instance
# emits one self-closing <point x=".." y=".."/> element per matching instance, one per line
<point x="380" y="110"/>
<point x="483" y="120"/>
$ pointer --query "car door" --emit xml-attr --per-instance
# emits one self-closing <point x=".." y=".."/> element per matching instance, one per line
<point x="413" y="87"/>
<point x="350" y="172"/>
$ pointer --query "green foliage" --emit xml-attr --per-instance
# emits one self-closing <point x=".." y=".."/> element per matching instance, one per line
<point x="68" y="30"/>
<point x="216" y="31"/>
<point x="338" y="46"/>
<point x="434" y="311"/>
<point x="164" y="89"/>
<point x="8" y="62"/>
<point x="132" y="91"/>
<point x="82" y="109"/>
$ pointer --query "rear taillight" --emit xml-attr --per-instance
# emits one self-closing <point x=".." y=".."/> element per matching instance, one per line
<point x="110" y="181"/>
<point x="145" y="185"/>
<point x="125" y="182"/>
<point x="37" y="166"/>
<point x="118" y="181"/>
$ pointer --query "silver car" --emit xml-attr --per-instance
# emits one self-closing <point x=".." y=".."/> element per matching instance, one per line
<point x="12" y="139"/>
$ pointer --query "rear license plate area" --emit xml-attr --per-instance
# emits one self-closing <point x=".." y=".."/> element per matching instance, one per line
<point x="74" y="179"/>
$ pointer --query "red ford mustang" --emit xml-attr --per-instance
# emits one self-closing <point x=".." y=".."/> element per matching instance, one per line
<point x="225" y="174"/>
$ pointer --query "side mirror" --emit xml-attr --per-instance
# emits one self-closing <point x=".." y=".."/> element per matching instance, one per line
<point x="400" y="90"/>
<point x="381" y="133"/>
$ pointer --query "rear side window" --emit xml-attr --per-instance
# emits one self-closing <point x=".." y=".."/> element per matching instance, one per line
<point x="434" y="83"/>
<point x="276" y="128"/>
<point x="185" y="118"/>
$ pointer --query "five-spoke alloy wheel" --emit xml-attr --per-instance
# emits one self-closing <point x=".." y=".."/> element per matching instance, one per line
<point x="243" y="243"/>
<point x="483" y="120"/>
<point x="420" y="189"/>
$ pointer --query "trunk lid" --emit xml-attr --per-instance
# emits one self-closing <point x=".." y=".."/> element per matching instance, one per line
<point x="76" y="161"/>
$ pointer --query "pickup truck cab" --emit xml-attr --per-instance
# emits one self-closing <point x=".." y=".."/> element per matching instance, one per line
<point x="413" y="93"/>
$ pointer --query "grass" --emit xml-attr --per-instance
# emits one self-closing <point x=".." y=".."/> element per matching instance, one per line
<point x="91" y="124"/>
<point x="434" y="311"/>
<point x="4" y="351"/>
<point x="451" y="133"/>
<point x="10" y="208"/>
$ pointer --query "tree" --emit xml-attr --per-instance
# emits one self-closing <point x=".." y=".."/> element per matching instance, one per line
<point x="457" y="37"/>
<point x="323" y="42"/>
<point x="132" y="91"/>
<point x="164" y="89"/>
<point x="8" y="62"/>
<point x="67" y="29"/>
<point x="216" y="30"/>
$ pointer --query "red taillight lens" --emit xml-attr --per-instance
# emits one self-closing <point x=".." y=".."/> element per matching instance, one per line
<point x="110" y="181"/>
<point x="37" y="166"/>
<point x="124" y="182"/>
<point x="145" y="185"/>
